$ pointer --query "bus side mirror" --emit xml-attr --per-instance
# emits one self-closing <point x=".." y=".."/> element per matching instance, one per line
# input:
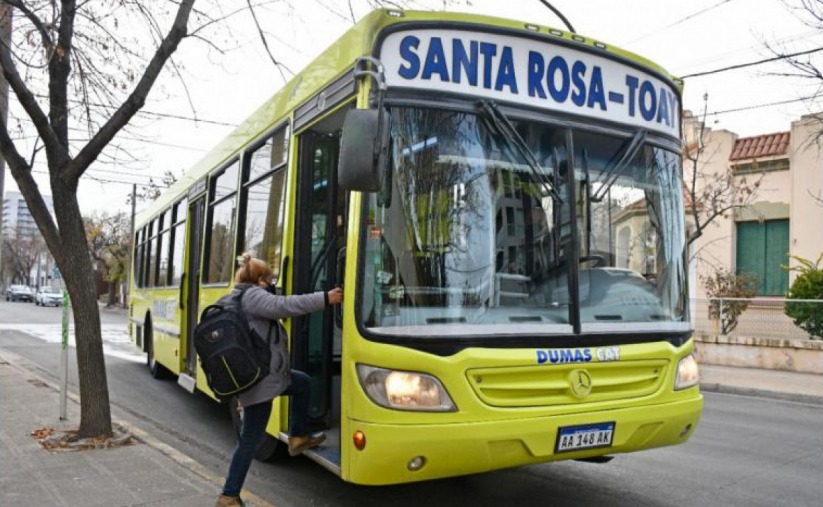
<point x="364" y="147"/>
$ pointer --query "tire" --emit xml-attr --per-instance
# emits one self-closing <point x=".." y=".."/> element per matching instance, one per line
<point x="270" y="448"/>
<point x="156" y="370"/>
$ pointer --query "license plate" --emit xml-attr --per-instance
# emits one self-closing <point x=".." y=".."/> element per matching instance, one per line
<point x="575" y="438"/>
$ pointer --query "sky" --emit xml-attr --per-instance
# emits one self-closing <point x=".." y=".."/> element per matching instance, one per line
<point x="682" y="37"/>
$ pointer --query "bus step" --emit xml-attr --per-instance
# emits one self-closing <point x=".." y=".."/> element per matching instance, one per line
<point x="186" y="382"/>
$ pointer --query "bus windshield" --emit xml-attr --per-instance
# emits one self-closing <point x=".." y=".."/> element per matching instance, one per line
<point x="475" y="230"/>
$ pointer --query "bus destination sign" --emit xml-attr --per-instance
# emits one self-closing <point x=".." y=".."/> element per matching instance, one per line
<point x="531" y="72"/>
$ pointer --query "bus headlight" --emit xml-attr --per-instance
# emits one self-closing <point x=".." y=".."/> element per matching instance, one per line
<point x="688" y="374"/>
<point x="404" y="390"/>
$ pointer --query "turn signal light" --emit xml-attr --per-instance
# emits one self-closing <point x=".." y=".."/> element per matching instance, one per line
<point x="416" y="463"/>
<point x="359" y="439"/>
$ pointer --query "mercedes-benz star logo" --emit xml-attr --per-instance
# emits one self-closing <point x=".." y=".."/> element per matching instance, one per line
<point x="581" y="383"/>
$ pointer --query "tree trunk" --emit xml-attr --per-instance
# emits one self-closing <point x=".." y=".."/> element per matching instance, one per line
<point x="95" y="411"/>
<point x="111" y="302"/>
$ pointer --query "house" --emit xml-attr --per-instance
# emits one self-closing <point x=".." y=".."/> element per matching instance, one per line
<point x="779" y="178"/>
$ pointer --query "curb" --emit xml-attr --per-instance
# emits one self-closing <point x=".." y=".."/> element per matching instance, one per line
<point x="714" y="387"/>
<point x="23" y="364"/>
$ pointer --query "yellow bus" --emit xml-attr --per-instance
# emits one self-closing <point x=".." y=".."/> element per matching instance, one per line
<point x="502" y="203"/>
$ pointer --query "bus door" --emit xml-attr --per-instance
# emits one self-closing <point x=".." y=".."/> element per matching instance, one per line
<point x="319" y="256"/>
<point x="191" y="287"/>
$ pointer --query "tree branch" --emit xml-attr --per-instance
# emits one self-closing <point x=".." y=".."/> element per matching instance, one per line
<point x="59" y="71"/>
<point x="29" y="104"/>
<point x="21" y="172"/>
<point x="48" y="44"/>
<point x="279" y="66"/>
<point x="137" y="99"/>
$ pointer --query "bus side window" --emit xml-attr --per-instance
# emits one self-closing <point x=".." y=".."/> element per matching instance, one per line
<point x="151" y="251"/>
<point x="163" y="249"/>
<point x="178" y="239"/>
<point x="263" y="198"/>
<point x="219" y="261"/>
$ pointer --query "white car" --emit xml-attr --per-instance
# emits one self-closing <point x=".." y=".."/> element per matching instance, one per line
<point x="47" y="296"/>
<point x="19" y="293"/>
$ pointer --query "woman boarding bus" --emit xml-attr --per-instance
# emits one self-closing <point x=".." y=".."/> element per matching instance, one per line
<point x="502" y="203"/>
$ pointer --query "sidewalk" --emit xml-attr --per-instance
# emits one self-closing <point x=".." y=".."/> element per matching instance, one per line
<point x="151" y="473"/>
<point x="148" y="473"/>
<point x="117" y="309"/>
<point x="784" y="385"/>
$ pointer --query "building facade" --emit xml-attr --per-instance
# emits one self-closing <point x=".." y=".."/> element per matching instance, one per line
<point x="779" y="178"/>
<point x="22" y="243"/>
<point x="17" y="219"/>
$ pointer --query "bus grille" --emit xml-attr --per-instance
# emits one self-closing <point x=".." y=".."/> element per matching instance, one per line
<point x="539" y="386"/>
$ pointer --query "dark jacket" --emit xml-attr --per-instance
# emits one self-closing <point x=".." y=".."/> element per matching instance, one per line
<point x="261" y="308"/>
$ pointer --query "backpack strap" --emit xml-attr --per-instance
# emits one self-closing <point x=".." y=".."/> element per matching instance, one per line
<point x="238" y="299"/>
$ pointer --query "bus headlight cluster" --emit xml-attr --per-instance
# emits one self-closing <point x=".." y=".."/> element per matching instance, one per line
<point x="688" y="374"/>
<point x="404" y="390"/>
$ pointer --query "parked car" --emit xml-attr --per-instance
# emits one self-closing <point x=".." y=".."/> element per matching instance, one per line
<point x="19" y="293"/>
<point x="47" y="296"/>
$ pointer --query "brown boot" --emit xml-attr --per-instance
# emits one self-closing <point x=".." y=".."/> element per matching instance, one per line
<point x="229" y="501"/>
<point x="299" y="444"/>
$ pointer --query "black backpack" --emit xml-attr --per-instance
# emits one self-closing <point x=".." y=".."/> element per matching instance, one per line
<point x="233" y="356"/>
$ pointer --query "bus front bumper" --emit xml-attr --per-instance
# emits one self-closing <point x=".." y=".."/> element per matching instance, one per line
<point x="447" y="450"/>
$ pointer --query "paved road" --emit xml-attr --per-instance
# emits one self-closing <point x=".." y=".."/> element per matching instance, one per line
<point x="29" y="313"/>
<point x="746" y="451"/>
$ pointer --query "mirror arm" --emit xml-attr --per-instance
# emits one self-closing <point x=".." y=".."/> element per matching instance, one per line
<point x="379" y="77"/>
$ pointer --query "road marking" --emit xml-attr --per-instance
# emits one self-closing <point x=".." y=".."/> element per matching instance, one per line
<point x="116" y="341"/>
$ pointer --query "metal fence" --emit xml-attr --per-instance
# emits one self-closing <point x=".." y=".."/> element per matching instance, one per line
<point x="759" y="318"/>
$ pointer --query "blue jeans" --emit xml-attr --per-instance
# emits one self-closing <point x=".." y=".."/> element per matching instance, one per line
<point x="255" y="419"/>
<point x="300" y="392"/>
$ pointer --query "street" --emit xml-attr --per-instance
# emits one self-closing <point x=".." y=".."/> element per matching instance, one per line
<point x="746" y="451"/>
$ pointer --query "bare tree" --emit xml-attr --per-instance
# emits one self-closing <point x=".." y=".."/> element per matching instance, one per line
<point x="60" y="51"/>
<point x="21" y="252"/>
<point x="801" y="63"/>
<point x="729" y="295"/>
<point x="153" y="190"/>
<point x="709" y="196"/>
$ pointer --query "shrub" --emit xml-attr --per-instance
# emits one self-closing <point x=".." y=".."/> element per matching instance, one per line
<point x="807" y="285"/>
<point x="726" y="284"/>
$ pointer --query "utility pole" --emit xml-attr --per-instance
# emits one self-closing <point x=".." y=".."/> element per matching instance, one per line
<point x="5" y="40"/>
<point x="127" y="288"/>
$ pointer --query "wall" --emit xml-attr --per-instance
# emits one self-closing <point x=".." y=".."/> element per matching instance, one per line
<point x="806" y="232"/>
<point x="804" y="356"/>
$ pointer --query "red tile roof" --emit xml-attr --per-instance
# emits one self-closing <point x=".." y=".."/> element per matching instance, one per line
<point x="769" y="145"/>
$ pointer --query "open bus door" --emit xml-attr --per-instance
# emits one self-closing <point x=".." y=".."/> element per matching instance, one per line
<point x="190" y="290"/>
<point x="319" y="252"/>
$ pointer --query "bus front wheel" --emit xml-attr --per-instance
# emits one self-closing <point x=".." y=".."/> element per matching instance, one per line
<point x="270" y="448"/>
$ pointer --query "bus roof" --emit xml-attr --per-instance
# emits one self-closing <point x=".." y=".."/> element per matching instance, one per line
<point x="337" y="59"/>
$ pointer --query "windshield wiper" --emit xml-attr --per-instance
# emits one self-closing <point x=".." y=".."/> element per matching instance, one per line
<point x="616" y="166"/>
<point x="499" y="123"/>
